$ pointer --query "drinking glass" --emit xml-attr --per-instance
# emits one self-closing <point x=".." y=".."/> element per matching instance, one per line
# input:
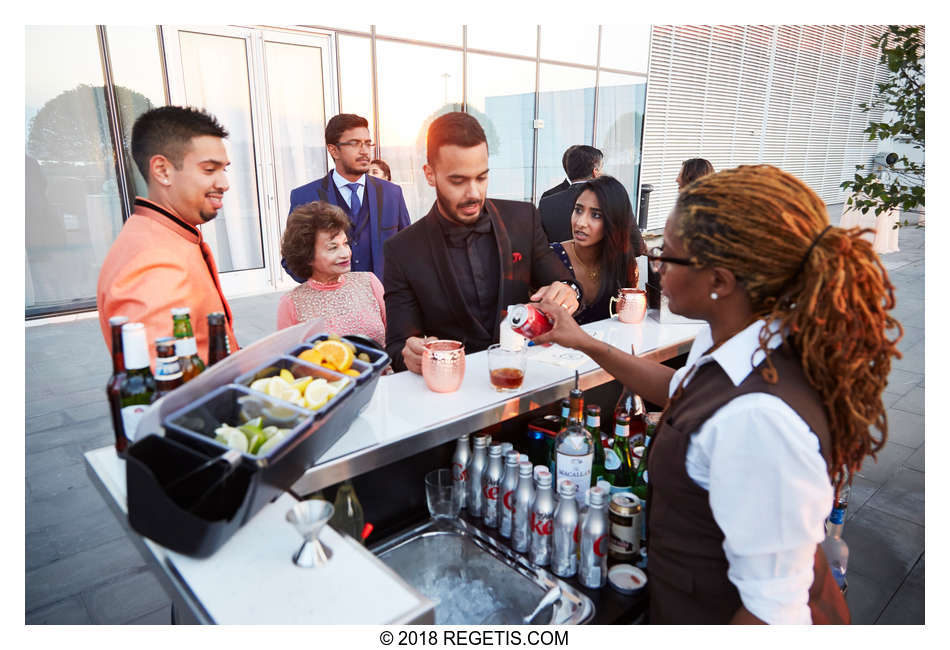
<point x="443" y="365"/>
<point x="440" y="494"/>
<point x="506" y="367"/>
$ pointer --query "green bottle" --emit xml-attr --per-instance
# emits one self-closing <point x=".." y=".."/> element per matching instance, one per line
<point x="617" y="462"/>
<point x="592" y="424"/>
<point x="137" y="390"/>
<point x="347" y="512"/>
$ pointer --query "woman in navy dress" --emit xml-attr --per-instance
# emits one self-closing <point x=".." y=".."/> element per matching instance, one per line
<point x="606" y="241"/>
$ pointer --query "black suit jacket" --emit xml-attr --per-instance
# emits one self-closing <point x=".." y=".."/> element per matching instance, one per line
<point x="423" y="296"/>
<point x="563" y="185"/>
<point x="556" y="213"/>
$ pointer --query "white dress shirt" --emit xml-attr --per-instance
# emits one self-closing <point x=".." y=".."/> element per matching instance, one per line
<point x="347" y="193"/>
<point x="768" y="486"/>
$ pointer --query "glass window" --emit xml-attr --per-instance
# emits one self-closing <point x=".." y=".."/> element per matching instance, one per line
<point x="356" y="78"/>
<point x="137" y="75"/>
<point x="625" y="47"/>
<point x="620" y="107"/>
<point x="566" y="104"/>
<point x="423" y="31"/>
<point x="407" y="105"/>
<point x="73" y="210"/>
<point x="216" y="79"/>
<point x="569" y="43"/>
<point x="501" y="96"/>
<point x="510" y="38"/>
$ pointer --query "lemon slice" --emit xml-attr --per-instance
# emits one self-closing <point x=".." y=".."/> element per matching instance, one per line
<point x="318" y="393"/>
<point x="235" y="439"/>
<point x="281" y="389"/>
<point x="261" y="384"/>
<point x="302" y="383"/>
<point x="287" y="376"/>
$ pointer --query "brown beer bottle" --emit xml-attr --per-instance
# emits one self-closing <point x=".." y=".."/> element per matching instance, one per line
<point x="217" y="338"/>
<point x="115" y="383"/>
<point x="168" y="375"/>
<point x="185" y="345"/>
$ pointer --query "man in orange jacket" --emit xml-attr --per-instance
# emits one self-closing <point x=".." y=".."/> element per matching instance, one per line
<point x="160" y="261"/>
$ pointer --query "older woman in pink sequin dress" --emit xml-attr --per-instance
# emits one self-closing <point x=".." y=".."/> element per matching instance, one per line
<point x="316" y="244"/>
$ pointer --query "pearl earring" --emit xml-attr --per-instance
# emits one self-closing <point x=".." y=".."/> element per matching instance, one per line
<point x="714" y="296"/>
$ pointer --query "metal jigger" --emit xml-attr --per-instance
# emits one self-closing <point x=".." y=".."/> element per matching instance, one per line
<point x="309" y="518"/>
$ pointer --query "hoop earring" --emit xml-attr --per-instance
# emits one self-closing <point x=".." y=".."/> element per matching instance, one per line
<point x="714" y="296"/>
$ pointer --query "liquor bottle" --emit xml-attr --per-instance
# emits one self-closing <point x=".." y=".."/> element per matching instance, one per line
<point x="168" y="373"/>
<point x="523" y="501"/>
<point x="491" y="486"/>
<point x="509" y="486"/>
<point x="542" y="518"/>
<point x="138" y="388"/>
<point x="834" y="546"/>
<point x="460" y="462"/>
<point x="631" y="405"/>
<point x="347" y="512"/>
<point x="185" y="344"/>
<point x="618" y="462"/>
<point x="218" y="346"/>
<point x="592" y="568"/>
<point x="565" y="413"/>
<point x="564" y="544"/>
<point x="475" y="469"/>
<point x="574" y="447"/>
<point x="592" y="424"/>
<point x="115" y="382"/>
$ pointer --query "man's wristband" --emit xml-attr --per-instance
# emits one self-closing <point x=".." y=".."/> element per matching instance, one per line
<point x="577" y="290"/>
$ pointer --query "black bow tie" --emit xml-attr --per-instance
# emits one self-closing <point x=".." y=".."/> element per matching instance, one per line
<point x="459" y="236"/>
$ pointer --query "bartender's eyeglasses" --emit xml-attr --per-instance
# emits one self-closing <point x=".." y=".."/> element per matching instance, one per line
<point x="357" y="144"/>
<point x="657" y="260"/>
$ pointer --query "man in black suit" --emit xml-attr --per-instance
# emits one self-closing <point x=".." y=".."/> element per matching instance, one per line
<point x="453" y="273"/>
<point x="563" y="185"/>
<point x="583" y="163"/>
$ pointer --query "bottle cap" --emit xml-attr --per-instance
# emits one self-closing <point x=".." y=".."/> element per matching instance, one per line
<point x="494" y="449"/>
<point x="525" y="468"/>
<point x="596" y="496"/>
<point x="216" y="318"/>
<point x="512" y="458"/>
<point x="181" y="311"/>
<point x="481" y="440"/>
<point x="118" y="320"/>
<point x="626" y="578"/>
<point x="567" y="488"/>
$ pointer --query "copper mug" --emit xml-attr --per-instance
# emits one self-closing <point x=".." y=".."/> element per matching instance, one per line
<point x="443" y="365"/>
<point x="631" y="305"/>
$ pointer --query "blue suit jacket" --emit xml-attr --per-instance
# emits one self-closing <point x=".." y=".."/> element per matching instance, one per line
<point x="387" y="211"/>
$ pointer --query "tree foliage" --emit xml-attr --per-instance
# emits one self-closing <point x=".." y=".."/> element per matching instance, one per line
<point x="900" y="184"/>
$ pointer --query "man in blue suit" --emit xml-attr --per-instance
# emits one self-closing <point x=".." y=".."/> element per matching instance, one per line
<point x="376" y="207"/>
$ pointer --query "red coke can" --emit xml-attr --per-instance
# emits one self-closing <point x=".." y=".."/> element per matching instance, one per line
<point x="529" y="321"/>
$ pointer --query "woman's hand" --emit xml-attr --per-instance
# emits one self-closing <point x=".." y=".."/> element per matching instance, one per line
<point x="566" y="331"/>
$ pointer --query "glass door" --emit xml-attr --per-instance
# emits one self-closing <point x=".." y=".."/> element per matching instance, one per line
<point x="267" y="89"/>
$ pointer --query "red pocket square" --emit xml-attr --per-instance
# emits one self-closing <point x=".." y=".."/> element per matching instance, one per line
<point x="515" y="257"/>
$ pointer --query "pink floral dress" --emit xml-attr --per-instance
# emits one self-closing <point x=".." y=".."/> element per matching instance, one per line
<point x="354" y="305"/>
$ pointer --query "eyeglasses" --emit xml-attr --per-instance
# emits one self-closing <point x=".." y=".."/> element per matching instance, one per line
<point x="657" y="260"/>
<point x="357" y="144"/>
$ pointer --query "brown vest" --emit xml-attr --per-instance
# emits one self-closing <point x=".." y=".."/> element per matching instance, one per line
<point x="687" y="565"/>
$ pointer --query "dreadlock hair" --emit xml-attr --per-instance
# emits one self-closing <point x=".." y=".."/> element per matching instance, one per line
<point x="824" y="285"/>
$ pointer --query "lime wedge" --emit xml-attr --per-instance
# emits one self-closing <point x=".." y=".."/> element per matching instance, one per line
<point x="271" y="443"/>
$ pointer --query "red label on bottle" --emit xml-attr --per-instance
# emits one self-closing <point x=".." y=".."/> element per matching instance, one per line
<point x="600" y="546"/>
<point x="459" y="472"/>
<point x="492" y="492"/>
<point x="577" y="534"/>
<point x="507" y="500"/>
<point x="543" y="527"/>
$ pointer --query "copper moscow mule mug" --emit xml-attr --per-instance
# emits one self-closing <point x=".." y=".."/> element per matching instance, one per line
<point x="443" y="365"/>
<point x="631" y="305"/>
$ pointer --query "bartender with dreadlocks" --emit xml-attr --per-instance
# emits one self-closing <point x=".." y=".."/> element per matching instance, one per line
<point x="774" y="405"/>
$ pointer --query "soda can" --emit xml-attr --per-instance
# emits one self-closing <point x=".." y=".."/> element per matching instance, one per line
<point x="542" y="520"/>
<point x="508" y="488"/>
<point x="460" y="462"/>
<point x="624" y="513"/>
<point x="491" y="486"/>
<point x="592" y="568"/>
<point x="564" y="544"/>
<point x="529" y="321"/>
<point x="523" y="501"/>
<point x="475" y="470"/>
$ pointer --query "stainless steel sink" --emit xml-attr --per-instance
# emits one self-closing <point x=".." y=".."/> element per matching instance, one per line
<point x="471" y="575"/>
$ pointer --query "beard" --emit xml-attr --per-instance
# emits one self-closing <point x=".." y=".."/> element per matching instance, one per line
<point x="208" y="216"/>
<point x="353" y="170"/>
<point x="451" y="211"/>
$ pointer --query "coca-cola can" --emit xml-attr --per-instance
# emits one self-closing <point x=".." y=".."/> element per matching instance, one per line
<point x="523" y="502"/>
<point x="508" y="488"/>
<point x="529" y="321"/>
<point x="542" y="520"/>
<point x="475" y="470"/>
<point x="564" y="544"/>
<point x="460" y="462"/>
<point x="491" y="486"/>
<point x="592" y="568"/>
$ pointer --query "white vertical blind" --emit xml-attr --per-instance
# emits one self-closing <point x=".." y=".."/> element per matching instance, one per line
<point x="785" y="95"/>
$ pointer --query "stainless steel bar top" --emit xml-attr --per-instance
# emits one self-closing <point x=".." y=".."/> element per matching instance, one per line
<point x="404" y="417"/>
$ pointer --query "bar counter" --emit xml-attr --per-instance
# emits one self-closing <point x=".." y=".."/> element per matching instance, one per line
<point x="251" y="578"/>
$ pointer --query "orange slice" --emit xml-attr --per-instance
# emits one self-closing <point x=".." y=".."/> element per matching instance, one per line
<point x="336" y="353"/>
<point x="311" y="356"/>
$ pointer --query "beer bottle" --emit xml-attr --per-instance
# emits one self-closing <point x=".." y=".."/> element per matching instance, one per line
<point x="347" y="512"/>
<point x="185" y="345"/>
<point x="137" y="390"/>
<point x="592" y="424"/>
<point x="217" y="338"/>
<point x="631" y="405"/>
<point x="618" y="462"/>
<point x="115" y="383"/>
<point x="168" y="374"/>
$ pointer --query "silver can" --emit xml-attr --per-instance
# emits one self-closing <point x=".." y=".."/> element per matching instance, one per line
<point x="475" y="470"/>
<point x="523" y="501"/>
<point x="564" y="546"/>
<point x="592" y="569"/>
<point x="460" y="462"/>
<point x="542" y="519"/>
<point x="508" y="487"/>
<point x="491" y="486"/>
